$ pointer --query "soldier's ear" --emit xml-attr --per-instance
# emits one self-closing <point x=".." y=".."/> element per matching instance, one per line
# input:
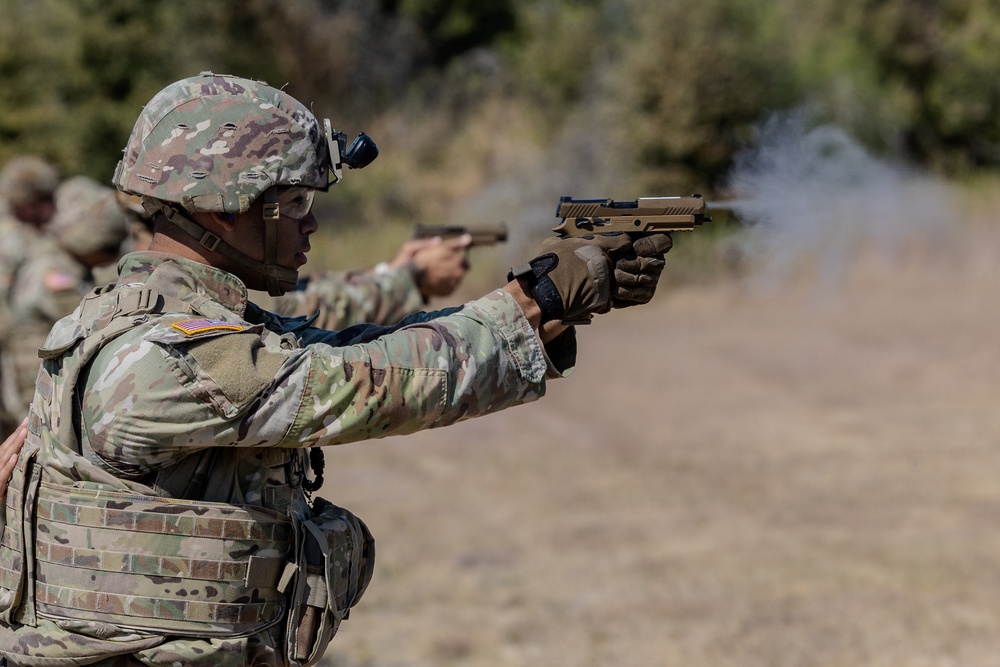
<point x="227" y="221"/>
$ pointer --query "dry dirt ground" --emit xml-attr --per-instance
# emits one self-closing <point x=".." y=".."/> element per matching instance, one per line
<point x="801" y="475"/>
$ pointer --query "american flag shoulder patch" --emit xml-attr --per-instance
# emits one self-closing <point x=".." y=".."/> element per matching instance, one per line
<point x="191" y="327"/>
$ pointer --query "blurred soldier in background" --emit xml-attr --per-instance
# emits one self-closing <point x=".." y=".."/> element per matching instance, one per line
<point x="27" y="190"/>
<point x="86" y="232"/>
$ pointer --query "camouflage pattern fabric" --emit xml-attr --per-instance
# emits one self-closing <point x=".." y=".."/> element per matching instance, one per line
<point x="27" y="178"/>
<point x="192" y="392"/>
<point x="179" y="152"/>
<point x="46" y="286"/>
<point x="88" y="217"/>
<point x="15" y="238"/>
<point x="340" y="299"/>
<point x="47" y="282"/>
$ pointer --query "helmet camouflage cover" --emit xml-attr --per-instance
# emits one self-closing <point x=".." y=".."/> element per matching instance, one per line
<point x="28" y="178"/>
<point x="88" y="216"/>
<point x="217" y="142"/>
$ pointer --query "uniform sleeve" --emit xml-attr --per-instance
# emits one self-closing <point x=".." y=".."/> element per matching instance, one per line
<point x="153" y="398"/>
<point x="342" y="299"/>
<point x="479" y="359"/>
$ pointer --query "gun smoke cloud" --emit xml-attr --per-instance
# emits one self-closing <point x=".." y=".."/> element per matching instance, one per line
<point x="813" y="198"/>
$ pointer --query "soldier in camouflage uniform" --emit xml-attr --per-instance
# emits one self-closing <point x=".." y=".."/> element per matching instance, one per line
<point x="160" y="512"/>
<point x="86" y="232"/>
<point x="27" y="188"/>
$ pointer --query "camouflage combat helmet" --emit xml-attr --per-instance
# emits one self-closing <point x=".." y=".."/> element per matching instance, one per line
<point x="215" y="143"/>
<point x="28" y="178"/>
<point x="88" y="217"/>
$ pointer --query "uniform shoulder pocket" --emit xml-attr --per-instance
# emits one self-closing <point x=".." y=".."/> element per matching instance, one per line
<point x="224" y="364"/>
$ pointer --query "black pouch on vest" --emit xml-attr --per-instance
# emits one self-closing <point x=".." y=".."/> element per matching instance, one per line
<point x="335" y="558"/>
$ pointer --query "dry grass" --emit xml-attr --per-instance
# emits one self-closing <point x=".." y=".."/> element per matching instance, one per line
<point x="805" y="476"/>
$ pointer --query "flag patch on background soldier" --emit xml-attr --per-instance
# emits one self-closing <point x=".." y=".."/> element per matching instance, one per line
<point x="60" y="281"/>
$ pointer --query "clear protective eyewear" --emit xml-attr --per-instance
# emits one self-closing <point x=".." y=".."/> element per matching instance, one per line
<point x="295" y="201"/>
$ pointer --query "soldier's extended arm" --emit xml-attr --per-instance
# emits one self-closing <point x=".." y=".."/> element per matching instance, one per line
<point x="384" y="295"/>
<point x="481" y="236"/>
<point x="343" y="298"/>
<point x="645" y="215"/>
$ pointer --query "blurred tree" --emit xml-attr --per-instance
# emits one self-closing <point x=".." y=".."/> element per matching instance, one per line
<point x="75" y="98"/>
<point x="676" y="85"/>
<point x="556" y="48"/>
<point x="700" y="74"/>
<point x="454" y="27"/>
<point x="916" y="77"/>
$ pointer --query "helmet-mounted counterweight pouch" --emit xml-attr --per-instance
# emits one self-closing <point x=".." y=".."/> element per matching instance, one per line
<point x="361" y="153"/>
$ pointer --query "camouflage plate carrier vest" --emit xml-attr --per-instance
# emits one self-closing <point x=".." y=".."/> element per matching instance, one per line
<point x="158" y="563"/>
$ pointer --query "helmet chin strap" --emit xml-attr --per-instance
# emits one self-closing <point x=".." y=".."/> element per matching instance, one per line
<point x="271" y="215"/>
<point x="273" y="274"/>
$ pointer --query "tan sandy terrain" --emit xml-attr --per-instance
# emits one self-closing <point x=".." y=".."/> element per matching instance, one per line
<point x="804" y="475"/>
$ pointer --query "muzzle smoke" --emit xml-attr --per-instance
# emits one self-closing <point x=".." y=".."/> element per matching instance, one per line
<point x="814" y="198"/>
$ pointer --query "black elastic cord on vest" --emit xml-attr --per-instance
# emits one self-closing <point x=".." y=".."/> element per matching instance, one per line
<point x="317" y="462"/>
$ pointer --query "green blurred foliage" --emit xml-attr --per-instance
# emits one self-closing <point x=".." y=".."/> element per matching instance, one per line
<point x="708" y="70"/>
<point x="913" y="78"/>
<point x="462" y="92"/>
<point x="454" y="27"/>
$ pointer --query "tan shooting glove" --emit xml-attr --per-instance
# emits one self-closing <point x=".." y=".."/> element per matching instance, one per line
<point x="638" y="269"/>
<point x="573" y="278"/>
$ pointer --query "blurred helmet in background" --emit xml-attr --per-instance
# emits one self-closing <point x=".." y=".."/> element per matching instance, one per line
<point x="89" y="221"/>
<point x="27" y="185"/>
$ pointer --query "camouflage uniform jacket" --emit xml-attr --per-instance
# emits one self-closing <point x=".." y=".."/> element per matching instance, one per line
<point x="340" y="299"/>
<point x="208" y="398"/>
<point x="15" y="238"/>
<point x="45" y="287"/>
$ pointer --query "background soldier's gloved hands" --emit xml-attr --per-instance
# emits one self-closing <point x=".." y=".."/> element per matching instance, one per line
<point x="637" y="270"/>
<point x="573" y="278"/>
<point x="438" y="265"/>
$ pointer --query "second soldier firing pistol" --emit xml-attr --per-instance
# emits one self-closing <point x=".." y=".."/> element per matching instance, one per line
<point x="481" y="236"/>
<point x="645" y="215"/>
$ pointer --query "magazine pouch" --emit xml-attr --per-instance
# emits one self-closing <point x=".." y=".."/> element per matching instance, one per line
<point x="335" y="558"/>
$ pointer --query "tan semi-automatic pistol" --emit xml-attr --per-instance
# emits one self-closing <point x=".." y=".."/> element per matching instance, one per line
<point x="645" y="215"/>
